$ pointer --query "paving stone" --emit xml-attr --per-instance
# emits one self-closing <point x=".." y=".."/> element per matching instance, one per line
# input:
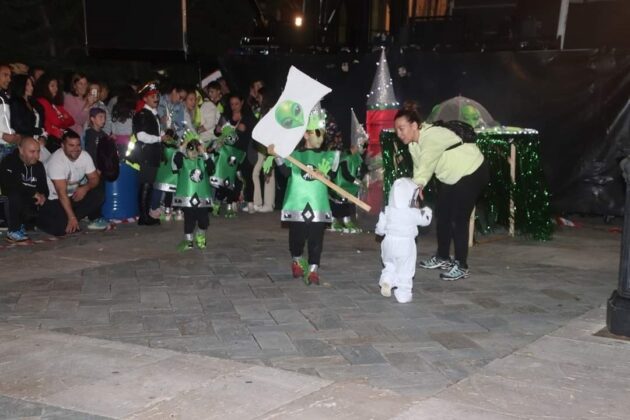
<point x="409" y="362"/>
<point x="288" y="316"/>
<point x="492" y="322"/>
<point x="252" y="311"/>
<point x="159" y="322"/>
<point x="272" y="340"/>
<point x="62" y="305"/>
<point x="361" y="355"/>
<point x="92" y="314"/>
<point x="29" y="303"/>
<point x="14" y="408"/>
<point x="154" y="297"/>
<point x="323" y="320"/>
<point x="558" y="294"/>
<point x="453" y="341"/>
<point x="214" y="305"/>
<point x="229" y="331"/>
<point x="185" y="303"/>
<point x="486" y="302"/>
<point x="267" y="292"/>
<point x="315" y="348"/>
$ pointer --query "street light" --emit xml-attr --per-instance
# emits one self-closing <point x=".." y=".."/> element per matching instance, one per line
<point x="298" y="21"/>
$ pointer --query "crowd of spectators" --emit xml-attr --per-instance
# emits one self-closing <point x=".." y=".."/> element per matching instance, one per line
<point x="50" y="140"/>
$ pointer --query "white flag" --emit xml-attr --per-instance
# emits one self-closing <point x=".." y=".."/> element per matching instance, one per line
<point x="284" y="125"/>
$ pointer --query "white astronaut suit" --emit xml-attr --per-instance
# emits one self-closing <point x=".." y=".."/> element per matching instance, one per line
<point x="398" y="250"/>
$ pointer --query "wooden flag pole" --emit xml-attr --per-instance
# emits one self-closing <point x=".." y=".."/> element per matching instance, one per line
<point x="329" y="184"/>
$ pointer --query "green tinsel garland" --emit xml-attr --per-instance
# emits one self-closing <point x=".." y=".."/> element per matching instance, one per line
<point x="396" y="160"/>
<point x="532" y="214"/>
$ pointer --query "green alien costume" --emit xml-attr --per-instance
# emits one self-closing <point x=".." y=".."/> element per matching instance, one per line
<point x="193" y="188"/>
<point x="166" y="178"/>
<point x="227" y="159"/>
<point x="306" y="198"/>
<point x="347" y="176"/>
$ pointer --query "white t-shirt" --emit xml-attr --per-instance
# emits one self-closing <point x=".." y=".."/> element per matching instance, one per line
<point x="59" y="166"/>
<point x="44" y="155"/>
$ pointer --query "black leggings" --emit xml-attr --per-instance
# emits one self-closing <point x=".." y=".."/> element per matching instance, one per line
<point x="247" y="169"/>
<point x="228" y="195"/>
<point x="454" y="207"/>
<point x="341" y="210"/>
<point x="195" y="217"/>
<point x="301" y="232"/>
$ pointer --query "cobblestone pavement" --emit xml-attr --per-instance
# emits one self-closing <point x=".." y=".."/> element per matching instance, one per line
<point x="237" y="300"/>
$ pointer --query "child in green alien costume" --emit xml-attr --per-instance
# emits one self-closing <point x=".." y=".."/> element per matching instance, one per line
<point x="348" y="176"/>
<point x="193" y="192"/>
<point x="227" y="158"/>
<point x="165" y="182"/>
<point x="306" y="207"/>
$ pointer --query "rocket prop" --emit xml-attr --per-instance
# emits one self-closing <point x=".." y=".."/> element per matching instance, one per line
<point x="282" y="128"/>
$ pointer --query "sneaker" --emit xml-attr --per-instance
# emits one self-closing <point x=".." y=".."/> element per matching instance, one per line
<point x="215" y="209"/>
<point x="185" y="246"/>
<point x="200" y="240"/>
<point x="351" y="227"/>
<point x="230" y="213"/>
<point x="249" y="208"/>
<point x="313" y="277"/>
<point x="386" y="289"/>
<point x="155" y="213"/>
<point x="455" y="273"/>
<point x="23" y="230"/>
<point x="436" y="262"/>
<point x="402" y="297"/>
<point x="263" y="209"/>
<point x="336" y="226"/>
<point x="17" y="236"/>
<point x="297" y="268"/>
<point x="179" y="215"/>
<point x="98" y="224"/>
<point x="167" y="214"/>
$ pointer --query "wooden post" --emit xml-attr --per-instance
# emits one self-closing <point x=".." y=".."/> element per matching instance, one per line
<point x="512" y="161"/>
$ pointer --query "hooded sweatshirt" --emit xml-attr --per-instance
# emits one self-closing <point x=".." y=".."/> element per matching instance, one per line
<point x="16" y="177"/>
<point x="400" y="218"/>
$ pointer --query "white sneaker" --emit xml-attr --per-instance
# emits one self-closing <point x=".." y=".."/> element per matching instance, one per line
<point x="264" y="209"/>
<point x="402" y="297"/>
<point x="386" y="289"/>
<point x="179" y="215"/>
<point x="249" y="208"/>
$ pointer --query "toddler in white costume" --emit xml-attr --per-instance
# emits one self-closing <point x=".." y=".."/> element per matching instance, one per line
<point x="398" y="250"/>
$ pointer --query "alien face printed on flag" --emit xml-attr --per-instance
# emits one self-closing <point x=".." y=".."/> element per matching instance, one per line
<point x="289" y="114"/>
<point x="284" y="125"/>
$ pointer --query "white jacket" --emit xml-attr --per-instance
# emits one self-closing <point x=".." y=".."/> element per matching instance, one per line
<point x="399" y="218"/>
<point x="5" y="119"/>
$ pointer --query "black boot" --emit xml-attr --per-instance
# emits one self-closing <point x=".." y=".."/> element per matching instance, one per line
<point x="144" y="201"/>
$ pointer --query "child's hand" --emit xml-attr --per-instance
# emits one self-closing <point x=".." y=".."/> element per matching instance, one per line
<point x="271" y="150"/>
<point x="267" y="164"/>
<point x="324" y="167"/>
